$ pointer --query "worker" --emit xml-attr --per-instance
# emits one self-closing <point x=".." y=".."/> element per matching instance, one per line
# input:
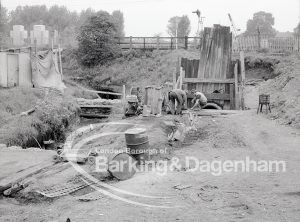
<point x="199" y="99"/>
<point x="181" y="98"/>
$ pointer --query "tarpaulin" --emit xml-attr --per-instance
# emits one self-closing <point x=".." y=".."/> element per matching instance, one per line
<point x="45" y="72"/>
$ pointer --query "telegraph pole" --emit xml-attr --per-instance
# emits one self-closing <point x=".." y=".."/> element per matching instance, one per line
<point x="202" y="23"/>
<point x="198" y="13"/>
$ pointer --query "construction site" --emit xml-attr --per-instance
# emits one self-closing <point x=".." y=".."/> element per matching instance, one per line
<point x="202" y="128"/>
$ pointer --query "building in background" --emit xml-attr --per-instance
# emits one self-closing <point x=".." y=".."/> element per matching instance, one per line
<point x="18" y="35"/>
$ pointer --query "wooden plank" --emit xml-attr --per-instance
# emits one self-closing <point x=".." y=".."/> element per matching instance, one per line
<point x="102" y="92"/>
<point x="198" y="80"/>
<point x="95" y="106"/>
<point x="214" y="96"/>
<point x="85" y="115"/>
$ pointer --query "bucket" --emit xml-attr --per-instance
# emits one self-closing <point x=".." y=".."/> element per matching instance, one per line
<point x="138" y="142"/>
<point x="146" y="111"/>
<point x="264" y="99"/>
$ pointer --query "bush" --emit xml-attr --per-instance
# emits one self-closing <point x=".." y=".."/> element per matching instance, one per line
<point x="96" y="41"/>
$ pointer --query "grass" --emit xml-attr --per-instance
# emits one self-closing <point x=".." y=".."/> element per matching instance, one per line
<point x="53" y="114"/>
<point x="133" y="68"/>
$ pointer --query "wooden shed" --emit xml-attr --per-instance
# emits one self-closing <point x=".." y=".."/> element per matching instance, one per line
<point x="15" y="69"/>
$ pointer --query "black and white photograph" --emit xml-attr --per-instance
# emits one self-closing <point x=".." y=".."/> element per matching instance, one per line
<point x="149" y="111"/>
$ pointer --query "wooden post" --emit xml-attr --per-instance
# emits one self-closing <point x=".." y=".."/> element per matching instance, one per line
<point x="174" y="80"/>
<point x="171" y="43"/>
<point x="35" y="46"/>
<point x="236" y="87"/>
<point x="60" y="62"/>
<point x="243" y="75"/>
<point x="144" y="43"/>
<point x="52" y="44"/>
<point x="186" y="42"/>
<point x="176" y="72"/>
<point x="182" y="74"/>
<point x="232" y="99"/>
<point x="157" y="43"/>
<point x="124" y="98"/>
<point x="130" y="42"/>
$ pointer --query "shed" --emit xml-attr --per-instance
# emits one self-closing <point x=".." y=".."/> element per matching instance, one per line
<point x="15" y="69"/>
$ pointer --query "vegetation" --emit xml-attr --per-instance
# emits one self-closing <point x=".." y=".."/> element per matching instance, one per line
<point x="58" y="18"/>
<point x="179" y="25"/>
<point x="53" y="115"/>
<point x="96" y="40"/>
<point x="262" y="23"/>
<point x="135" y="67"/>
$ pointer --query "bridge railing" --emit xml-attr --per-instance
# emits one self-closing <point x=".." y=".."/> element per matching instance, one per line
<point x="158" y="43"/>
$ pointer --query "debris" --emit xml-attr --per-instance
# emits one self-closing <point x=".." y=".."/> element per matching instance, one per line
<point x="8" y="182"/>
<point x="63" y="189"/>
<point x="206" y="197"/>
<point x="182" y="187"/>
<point x="15" y="188"/>
<point x="28" y="112"/>
<point x="96" y="195"/>
<point x="179" y="135"/>
<point x="49" y="144"/>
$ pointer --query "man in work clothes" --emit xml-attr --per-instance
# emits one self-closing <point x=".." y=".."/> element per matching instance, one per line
<point x="181" y="98"/>
<point x="199" y="99"/>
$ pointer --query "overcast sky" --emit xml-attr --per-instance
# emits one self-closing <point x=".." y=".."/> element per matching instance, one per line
<point x="149" y="17"/>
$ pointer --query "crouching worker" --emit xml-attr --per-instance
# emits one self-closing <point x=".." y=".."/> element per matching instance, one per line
<point x="199" y="100"/>
<point x="181" y="98"/>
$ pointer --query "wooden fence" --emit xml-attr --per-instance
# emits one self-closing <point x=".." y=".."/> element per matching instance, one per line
<point x="254" y="43"/>
<point x="158" y="43"/>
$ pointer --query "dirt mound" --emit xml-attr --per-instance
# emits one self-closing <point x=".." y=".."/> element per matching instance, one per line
<point x="260" y="67"/>
<point x="285" y="91"/>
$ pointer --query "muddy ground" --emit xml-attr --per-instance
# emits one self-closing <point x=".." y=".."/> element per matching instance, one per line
<point x="237" y="196"/>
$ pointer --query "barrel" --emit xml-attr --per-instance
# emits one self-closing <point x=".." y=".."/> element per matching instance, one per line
<point x="137" y="142"/>
<point x="124" y="160"/>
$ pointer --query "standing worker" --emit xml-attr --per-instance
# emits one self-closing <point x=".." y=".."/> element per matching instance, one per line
<point x="181" y="98"/>
<point x="199" y="99"/>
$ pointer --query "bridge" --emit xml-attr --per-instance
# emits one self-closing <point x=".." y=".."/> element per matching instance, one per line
<point x="158" y="43"/>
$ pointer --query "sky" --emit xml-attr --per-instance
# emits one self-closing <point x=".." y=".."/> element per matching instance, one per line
<point x="150" y="17"/>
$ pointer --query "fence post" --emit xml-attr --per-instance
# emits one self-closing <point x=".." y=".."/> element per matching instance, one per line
<point x="171" y="43"/>
<point x="130" y="42"/>
<point x="186" y="42"/>
<point x="242" y="58"/>
<point x="144" y="43"/>
<point x="236" y="87"/>
<point x="157" y="43"/>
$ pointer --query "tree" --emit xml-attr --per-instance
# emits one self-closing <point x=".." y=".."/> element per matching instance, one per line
<point x="85" y="15"/>
<point x="297" y="30"/>
<point x="3" y="23"/>
<point x="181" y="24"/>
<point x="118" y="19"/>
<point x="59" y="18"/>
<point x="96" y="40"/>
<point x="29" y="15"/>
<point x="262" y="23"/>
<point x="184" y="26"/>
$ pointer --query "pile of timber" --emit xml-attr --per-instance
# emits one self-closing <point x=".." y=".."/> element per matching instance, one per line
<point x="96" y="108"/>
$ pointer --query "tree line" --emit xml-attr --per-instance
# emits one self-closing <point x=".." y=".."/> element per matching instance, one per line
<point x="59" y="18"/>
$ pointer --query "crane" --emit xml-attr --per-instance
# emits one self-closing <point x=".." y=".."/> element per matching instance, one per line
<point x="235" y="30"/>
